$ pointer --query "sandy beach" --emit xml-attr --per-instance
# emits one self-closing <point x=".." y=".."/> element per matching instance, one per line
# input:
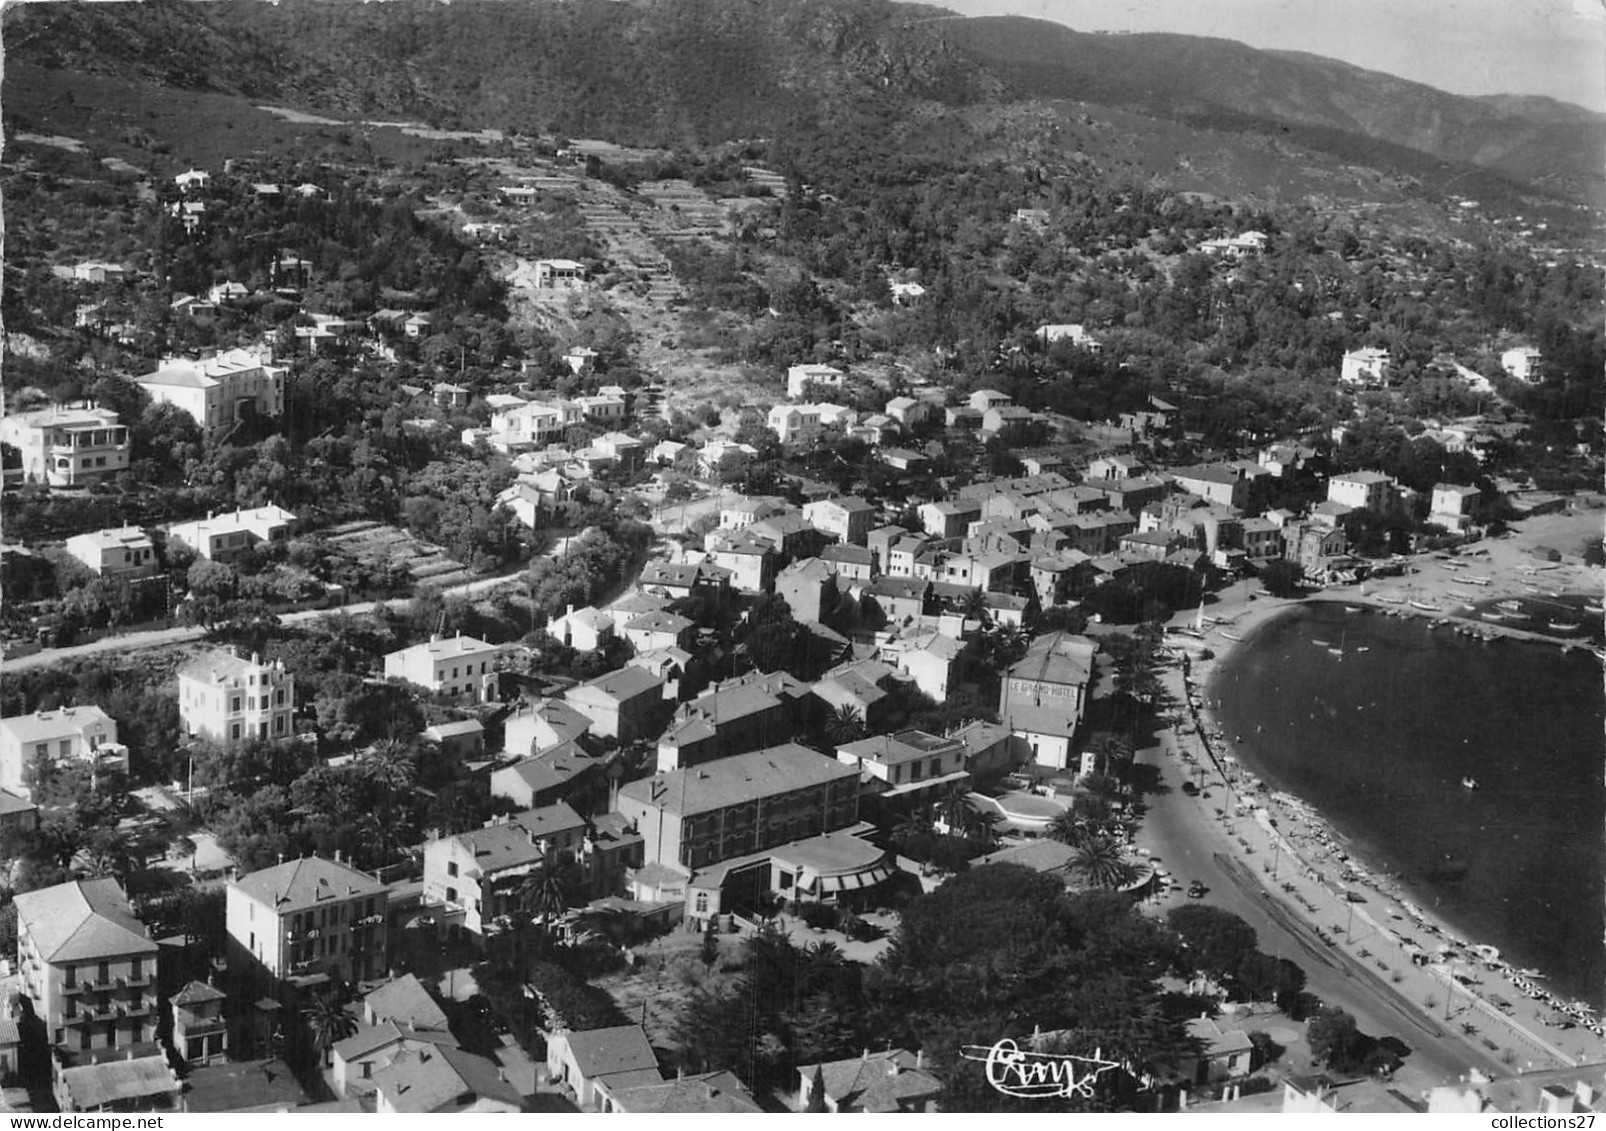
<point x="1464" y="998"/>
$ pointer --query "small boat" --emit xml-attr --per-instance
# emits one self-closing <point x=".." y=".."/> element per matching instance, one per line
<point x="1425" y="606"/>
<point x="1565" y="625"/>
<point x="1231" y="635"/>
<point x="1476" y="580"/>
<point x="1469" y="783"/>
<point x="1364" y="648"/>
<point x="1510" y="606"/>
<point x="1390" y="600"/>
<point x="1352" y="608"/>
<point x="1321" y="643"/>
<point x="1493" y="616"/>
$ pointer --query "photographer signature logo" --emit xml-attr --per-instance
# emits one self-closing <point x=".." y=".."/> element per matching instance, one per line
<point x="1025" y="1074"/>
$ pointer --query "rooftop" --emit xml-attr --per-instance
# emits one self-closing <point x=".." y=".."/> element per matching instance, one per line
<point x="742" y="777"/>
<point x="94" y="1086"/>
<point x="42" y="726"/>
<point x="604" y="1052"/>
<point x="82" y="919"/>
<point x="425" y="1080"/>
<point x="297" y="885"/>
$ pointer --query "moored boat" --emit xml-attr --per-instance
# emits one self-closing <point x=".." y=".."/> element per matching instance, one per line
<point x="1470" y="784"/>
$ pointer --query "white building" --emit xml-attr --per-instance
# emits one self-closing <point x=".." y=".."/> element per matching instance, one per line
<point x="220" y="538"/>
<point x="1522" y="364"/>
<point x="122" y="552"/>
<point x="228" y="699"/>
<point x="454" y="665"/>
<point x="218" y="392"/>
<point x="800" y="375"/>
<point x="1454" y="507"/>
<point x="85" y="734"/>
<point x="533" y="425"/>
<point x="67" y="447"/>
<point x="1367" y="367"/>
<point x="563" y="274"/>
<point x="800" y="423"/>
<point x="1364" y="490"/>
<point x="1072" y="332"/>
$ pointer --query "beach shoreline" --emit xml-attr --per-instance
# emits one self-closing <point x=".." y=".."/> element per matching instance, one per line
<point x="1419" y="970"/>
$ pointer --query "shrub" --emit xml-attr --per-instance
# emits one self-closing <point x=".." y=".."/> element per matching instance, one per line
<point x="820" y="916"/>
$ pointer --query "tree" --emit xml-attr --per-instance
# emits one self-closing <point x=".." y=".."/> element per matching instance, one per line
<point x="1334" y="1038"/>
<point x="1215" y="940"/>
<point x="1101" y="863"/>
<point x="1282" y="578"/>
<point x="816" y="1104"/>
<point x="844" y="725"/>
<point x="329" y="1023"/>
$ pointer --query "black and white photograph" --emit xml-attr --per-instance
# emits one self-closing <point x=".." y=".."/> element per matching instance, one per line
<point x="680" y="557"/>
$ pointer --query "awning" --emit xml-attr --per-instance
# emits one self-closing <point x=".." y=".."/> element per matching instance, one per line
<point x="850" y="881"/>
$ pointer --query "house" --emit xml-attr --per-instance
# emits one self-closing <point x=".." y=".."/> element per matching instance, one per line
<point x="739" y="715"/>
<point x="226" y="698"/>
<point x="1454" y="507"/>
<point x="875" y="429"/>
<point x="192" y="179"/>
<point x="962" y="417"/>
<point x="903" y="459"/>
<point x="860" y="686"/>
<point x="68" y="447"/>
<point x="1262" y="540"/>
<point x="473" y="878"/>
<point x="584" y="630"/>
<point x="560" y="274"/>
<point x="704" y="1093"/>
<point x="659" y="629"/>
<point x="89" y="968"/>
<point x="741" y="807"/>
<point x="877" y="1083"/>
<point x="848" y="518"/>
<point x="200" y="1031"/>
<point x="991" y="749"/>
<point x="1135" y="493"/>
<point x="906" y="764"/>
<point x="1006" y="422"/>
<point x="132" y="1083"/>
<point x="909" y="412"/>
<point x="1057" y="578"/>
<point x="297" y="925"/>
<point x="443" y="1079"/>
<point x="950" y="519"/>
<point x="931" y="659"/>
<point x="898" y="599"/>
<point x="125" y="552"/>
<point x="83" y="734"/>
<point x="983" y="399"/>
<point x="620" y="1056"/>
<point x="1218" y="483"/>
<point x="1044" y="694"/>
<point x="1363" y="490"/>
<point x="683" y="579"/>
<point x="542" y="725"/>
<point x="855" y="562"/>
<point x="798" y="377"/>
<point x="1223" y="1055"/>
<point x="1031" y="217"/>
<point x="463" y="740"/>
<point x="905" y="293"/>
<point x="722" y="457"/>
<point x="668" y="453"/>
<point x="1315" y="547"/>
<point x="1366" y="368"/>
<point x="802" y="423"/>
<point x="580" y="360"/>
<point x="225" y="537"/>
<point x="565" y="772"/>
<point x="1524" y="363"/>
<point x="623" y="449"/>
<point x="623" y="705"/>
<point x="1241" y="246"/>
<point x="454" y="665"/>
<point x="1071" y="332"/>
<point x="809" y="589"/>
<point x="1114" y="467"/>
<point x="533" y="497"/>
<point x="219" y="392"/>
<point x="16" y="816"/>
<point x="358" y="1058"/>
<point x="743" y="511"/>
<point x="748" y="558"/>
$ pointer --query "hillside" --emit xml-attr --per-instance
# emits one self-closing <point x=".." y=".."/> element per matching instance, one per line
<point x="695" y="72"/>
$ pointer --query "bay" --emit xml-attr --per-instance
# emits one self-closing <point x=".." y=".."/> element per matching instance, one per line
<point x="1377" y="720"/>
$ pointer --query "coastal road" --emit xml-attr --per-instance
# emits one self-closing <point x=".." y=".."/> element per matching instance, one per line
<point x="1193" y="844"/>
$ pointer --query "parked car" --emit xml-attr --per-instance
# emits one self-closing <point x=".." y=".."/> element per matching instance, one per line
<point x="1196" y="890"/>
<point x="1190" y="789"/>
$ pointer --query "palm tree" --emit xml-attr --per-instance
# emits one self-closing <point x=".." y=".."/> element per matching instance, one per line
<point x="1112" y="752"/>
<point x="1101" y="863"/>
<point x="845" y="725"/>
<point x="1067" y="828"/>
<point x="983" y="825"/>
<point x="955" y="810"/>
<point x="330" y="1024"/>
<point x="391" y="766"/>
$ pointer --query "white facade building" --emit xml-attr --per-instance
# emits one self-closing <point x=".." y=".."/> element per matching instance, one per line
<point x="228" y="699"/>
<point x="67" y="447"/>
<point x="219" y="392"/>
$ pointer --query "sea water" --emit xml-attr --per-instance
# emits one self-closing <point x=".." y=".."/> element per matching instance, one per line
<point x="1376" y="721"/>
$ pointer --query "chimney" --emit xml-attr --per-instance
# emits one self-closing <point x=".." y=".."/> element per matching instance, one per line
<point x="920" y="1058"/>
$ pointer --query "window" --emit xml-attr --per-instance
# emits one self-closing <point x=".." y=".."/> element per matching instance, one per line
<point x="70" y="977"/>
<point x="234" y="731"/>
<point x="105" y="973"/>
<point x="61" y="1036"/>
<point x="278" y="697"/>
<point x="234" y="705"/>
<point x="935" y="769"/>
<point x="42" y="750"/>
<point x="278" y="725"/>
<point x="451" y="869"/>
<point x="454" y="671"/>
<point x="702" y="903"/>
<point x="66" y="748"/>
<point x="137" y="969"/>
<point x="451" y="895"/>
